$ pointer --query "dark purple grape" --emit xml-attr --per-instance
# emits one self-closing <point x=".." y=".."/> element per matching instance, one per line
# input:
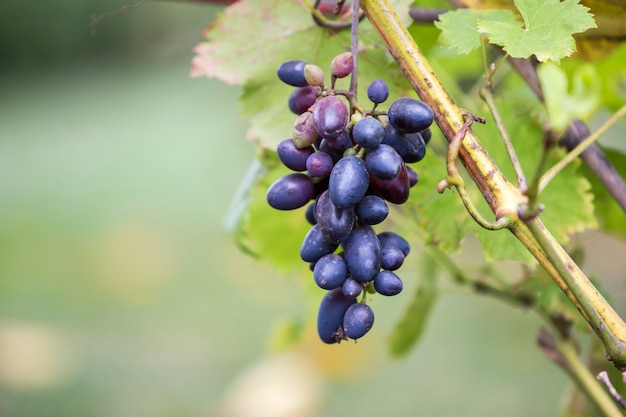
<point x="392" y="258"/>
<point x="351" y="288"/>
<point x="371" y="210"/>
<point x="395" y="190"/>
<point x="426" y="135"/>
<point x="395" y="240"/>
<point x="335" y="223"/>
<point x="290" y="192"/>
<point x="409" y="115"/>
<point x="292" y="73"/>
<point x="368" y="132"/>
<point x="330" y="272"/>
<point x="410" y="146"/>
<point x="302" y="98"/>
<point x="342" y="65"/>
<point x="330" y="316"/>
<point x="309" y="214"/>
<point x="314" y="246"/>
<point x="319" y="164"/>
<point x="357" y="321"/>
<point x="378" y="91"/>
<point x="387" y="283"/>
<point x="413" y="177"/>
<point x="362" y="253"/>
<point x="349" y="181"/>
<point x="292" y="157"/>
<point x="330" y="115"/>
<point x="304" y="133"/>
<point x="383" y="162"/>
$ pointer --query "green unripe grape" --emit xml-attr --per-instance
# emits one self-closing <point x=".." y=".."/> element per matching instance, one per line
<point x="304" y="133"/>
<point x="314" y="75"/>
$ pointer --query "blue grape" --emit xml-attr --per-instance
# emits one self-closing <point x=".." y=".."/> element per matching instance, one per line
<point x="348" y="182"/>
<point x="351" y="288"/>
<point x="330" y="272"/>
<point x="368" y="132"/>
<point x="383" y="162"/>
<point x="362" y="253"/>
<point x="392" y="258"/>
<point x="309" y="214"/>
<point x="314" y="246"/>
<point x="410" y="146"/>
<point x="335" y="223"/>
<point x="387" y="283"/>
<point x="292" y="73"/>
<point x="426" y="135"/>
<point x="319" y="164"/>
<point x="371" y="210"/>
<point x="394" y="239"/>
<point x="378" y="91"/>
<point x="395" y="190"/>
<point x="337" y="145"/>
<point x="357" y="320"/>
<point x="330" y="116"/>
<point x="413" y="177"/>
<point x="331" y="314"/>
<point x="293" y="157"/>
<point x="302" y="98"/>
<point x="290" y="192"/>
<point x="409" y="115"/>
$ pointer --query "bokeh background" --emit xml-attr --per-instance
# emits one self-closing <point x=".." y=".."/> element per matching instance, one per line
<point x="122" y="292"/>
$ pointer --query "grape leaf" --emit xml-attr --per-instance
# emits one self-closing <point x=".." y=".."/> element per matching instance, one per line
<point x="246" y="49"/>
<point x="546" y="32"/>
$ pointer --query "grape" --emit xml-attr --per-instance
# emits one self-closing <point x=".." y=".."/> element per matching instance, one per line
<point x="302" y="98"/>
<point x="314" y="246"/>
<point x="292" y="157"/>
<point x="392" y="258"/>
<point x="292" y="73"/>
<point x="330" y="272"/>
<point x="335" y="223"/>
<point x="426" y="135"/>
<point x="362" y="253"/>
<point x="368" y="132"/>
<point x="314" y="75"/>
<point x="290" y="192"/>
<point x="304" y="133"/>
<point x="394" y="239"/>
<point x="371" y="210"/>
<point x="351" y="288"/>
<point x="410" y="146"/>
<point x="383" y="162"/>
<point x="413" y="178"/>
<point x="340" y="144"/>
<point x="349" y="181"/>
<point x="331" y="314"/>
<point x="357" y="321"/>
<point x="378" y="91"/>
<point x="330" y="116"/>
<point x="319" y="164"/>
<point x="395" y="190"/>
<point x="409" y="115"/>
<point x="309" y="214"/>
<point x="388" y="283"/>
<point x="342" y="65"/>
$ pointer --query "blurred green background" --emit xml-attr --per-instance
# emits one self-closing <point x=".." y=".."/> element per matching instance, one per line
<point x="121" y="291"/>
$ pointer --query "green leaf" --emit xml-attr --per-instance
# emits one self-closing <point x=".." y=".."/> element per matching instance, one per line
<point x="459" y="28"/>
<point x="546" y="31"/>
<point x="245" y="50"/>
<point x="410" y="328"/>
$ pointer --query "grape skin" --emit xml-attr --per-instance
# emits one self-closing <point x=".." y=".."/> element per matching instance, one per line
<point x="387" y="283"/>
<point x="348" y="182"/>
<point x="319" y="164"/>
<point x="292" y="73"/>
<point x="383" y="162"/>
<point x="290" y="192"/>
<point x="330" y="272"/>
<point x="293" y="157"/>
<point x="368" y="133"/>
<point x="302" y="98"/>
<point x="394" y="239"/>
<point x="351" y="288"/>
<point x="357" y="321"/>
<point x="335" y="223"/>
<point x="409" y="115"/>
<point x="362" y="253"/>
<point x="392" y="258"/>
<point x="331" y="314"/>
<point x="372" y="210"/>
<point x="314" y="246"/>
<point x="378" y="91"/>
<point x="395" y="190"/>
<point x="330" y="116"/>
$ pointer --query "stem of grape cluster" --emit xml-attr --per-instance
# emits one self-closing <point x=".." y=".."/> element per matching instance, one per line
<point x="354" y="44"/>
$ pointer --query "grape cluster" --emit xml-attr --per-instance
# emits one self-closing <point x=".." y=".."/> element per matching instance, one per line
<point x="349" y="163"/>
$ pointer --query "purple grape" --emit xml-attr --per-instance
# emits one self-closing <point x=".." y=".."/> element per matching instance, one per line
<point x="409" y="115"/>
<point x="302" y="98"/>
<point x="413" y="177"/>
<point x="304" y="133"/>
<point x="378" y="91"/>
<point x="292" y="157"/>
<point x="368" y="132"/>
<point x="309" y="214"/>
<point x="331" y="314"/>
<point x="387" y="283"/>
<point x="371" y="210"/>
<point x="383" y="162"/>
<point x="330" y="272"/>
<point x="392" y="258"/>
<point x="330" y="115"/>
<point x="290" y="192"/>
<point x="357" y="321"/>
<point x="426" y="135"/>
<point x="314" y="246"/>
<point x="395" y="190"/>
<point x="319" y="164"/>
<point x="362" y="253"/>
<point x="395" y="240"/>
<point x="342" y="65"/>
<point x="349" y="181"/>
<point x="351" y="288"/>
<point x="292" y="73"/>
<point x="410" y="146"/>
<point x="335" y="223"/>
